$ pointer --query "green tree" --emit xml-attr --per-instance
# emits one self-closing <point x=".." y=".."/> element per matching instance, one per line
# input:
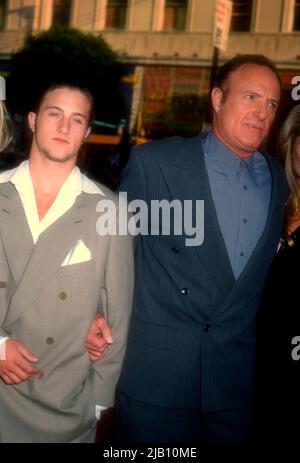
<point x="62" y="55"/>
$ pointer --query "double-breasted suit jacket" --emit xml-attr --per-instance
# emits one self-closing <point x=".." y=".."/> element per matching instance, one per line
<point x="191" y="341"/>
<point x="49" y="308"/>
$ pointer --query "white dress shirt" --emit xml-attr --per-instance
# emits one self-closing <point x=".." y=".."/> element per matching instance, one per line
<point x="74" y="185"/>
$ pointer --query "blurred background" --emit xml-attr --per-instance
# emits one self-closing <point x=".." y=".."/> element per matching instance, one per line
<point x="149" y="63"/>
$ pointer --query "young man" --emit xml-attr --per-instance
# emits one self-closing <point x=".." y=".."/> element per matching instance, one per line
<point x="189" y="365"/>
<point x="56" y="272"/>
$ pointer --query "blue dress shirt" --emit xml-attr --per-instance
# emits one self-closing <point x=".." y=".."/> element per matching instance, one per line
<point x="241" y="191"/>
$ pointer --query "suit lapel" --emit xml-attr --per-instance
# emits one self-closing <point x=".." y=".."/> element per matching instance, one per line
<point x="266" y="245"/>
<point x="15" y="232"/>
<point x="187" y="178"/>
<point x="49" y="252"/>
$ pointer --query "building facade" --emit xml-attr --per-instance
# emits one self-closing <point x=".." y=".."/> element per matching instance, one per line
<point x="168" y="43"/>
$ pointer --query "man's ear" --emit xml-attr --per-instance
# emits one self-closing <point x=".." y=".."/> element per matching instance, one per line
<point x="88" y="131"/>
<point x="216" y="98"/>
<point x="31" y="121"/>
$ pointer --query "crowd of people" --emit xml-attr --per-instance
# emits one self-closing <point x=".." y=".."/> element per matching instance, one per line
<point x="195" y="344"/>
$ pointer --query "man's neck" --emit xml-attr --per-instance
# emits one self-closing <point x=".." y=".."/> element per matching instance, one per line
<point x="47" y="178"/>
<point x="237" y="152"/>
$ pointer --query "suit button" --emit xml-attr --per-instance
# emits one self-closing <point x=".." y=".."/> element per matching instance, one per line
<point x="175" y="250"/>
<point x="3" y="284"/>
<point x="184" y="291"/>
<point x="206" y="328"/>
<point x="49" y="341"/>
<point x="40" y="375"/>
<point x="63" y="295"/>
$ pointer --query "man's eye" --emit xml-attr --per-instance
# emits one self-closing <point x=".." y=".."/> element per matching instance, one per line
<point x="273" y="105"/>
<point x="54" y="114"/>
<point x="78" y="121"/>
<point x="250" y="97"/>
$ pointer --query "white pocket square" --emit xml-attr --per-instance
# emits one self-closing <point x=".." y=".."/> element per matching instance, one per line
<point x="80" y="253"/>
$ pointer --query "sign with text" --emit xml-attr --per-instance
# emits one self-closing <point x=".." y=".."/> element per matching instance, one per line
<point x="223" y="12"/>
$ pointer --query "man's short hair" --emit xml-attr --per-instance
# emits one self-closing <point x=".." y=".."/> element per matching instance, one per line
<point x="238" y="61"/>
<point x="70" y="86"/>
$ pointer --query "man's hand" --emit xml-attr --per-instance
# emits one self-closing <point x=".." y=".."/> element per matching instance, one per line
<point x="98" y="338"/>
<point x="15" y="367"/>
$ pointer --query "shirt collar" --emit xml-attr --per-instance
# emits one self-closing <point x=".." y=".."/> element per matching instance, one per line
<point x="75" y="184"/>
<point x="225" y="161"/>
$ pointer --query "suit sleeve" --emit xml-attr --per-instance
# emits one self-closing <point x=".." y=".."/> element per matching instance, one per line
<point x="133" y="178"/>
<point x="116" y="301"/>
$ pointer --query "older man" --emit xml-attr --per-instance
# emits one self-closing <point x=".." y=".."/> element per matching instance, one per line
<point x="189" y="365"/>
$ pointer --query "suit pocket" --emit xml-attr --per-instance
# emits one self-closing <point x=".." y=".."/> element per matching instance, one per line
<point x="82" y="267"/>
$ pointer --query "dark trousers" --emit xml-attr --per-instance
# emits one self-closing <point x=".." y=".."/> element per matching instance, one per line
<point x="139" y="422"/>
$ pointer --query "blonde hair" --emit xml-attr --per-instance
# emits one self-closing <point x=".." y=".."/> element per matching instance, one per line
<point x="287" y="144"/>
<point x="5" y="136"/>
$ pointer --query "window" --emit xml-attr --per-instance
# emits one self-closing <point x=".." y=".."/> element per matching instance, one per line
<point x="296" y="24"/>
<point x="175" y="15"/>
<point x="2" y="13"/>
<point x="116" y="12"/>
<point x="61" y="12"/>
<point x="241" y="15"/>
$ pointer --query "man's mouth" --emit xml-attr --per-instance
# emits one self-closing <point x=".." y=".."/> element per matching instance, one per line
<point x="61" y="140"/>
<point x="255" y="127"/>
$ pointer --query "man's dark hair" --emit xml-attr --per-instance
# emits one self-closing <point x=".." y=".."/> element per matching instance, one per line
<point x="70" y="86"/>
<point x="235" y="63"/>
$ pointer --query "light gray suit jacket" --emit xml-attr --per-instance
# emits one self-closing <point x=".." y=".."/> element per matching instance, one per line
<point x="49" y="308"/>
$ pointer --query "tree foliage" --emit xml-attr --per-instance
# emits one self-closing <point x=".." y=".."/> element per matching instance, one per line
<point x="70" y="56"/>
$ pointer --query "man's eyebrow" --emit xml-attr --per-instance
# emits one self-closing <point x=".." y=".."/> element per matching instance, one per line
<point x="252" y="92"/>
<point x="81" y="115"/>
<point x="61" y="110"/>
<point x="52" y="107"/>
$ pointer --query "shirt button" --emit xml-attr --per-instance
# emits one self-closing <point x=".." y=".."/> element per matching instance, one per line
<point x="49" y="341"/>
<point x="184" y="291"/>
<point x="3" y="284"/>
<point x="63" y="295"/>
<point x="245" y="187"/>
<point x="206" y="328"/>
<point x="175" y="250"/>
<point x="241" y="254"/>
<point x="245" y="220"/>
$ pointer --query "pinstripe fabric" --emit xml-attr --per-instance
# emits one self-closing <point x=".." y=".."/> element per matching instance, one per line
<point x="193" y="348"/>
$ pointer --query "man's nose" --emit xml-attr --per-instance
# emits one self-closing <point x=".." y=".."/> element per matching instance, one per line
<point x="63" y="125"/>
<point x="261" y="110"/>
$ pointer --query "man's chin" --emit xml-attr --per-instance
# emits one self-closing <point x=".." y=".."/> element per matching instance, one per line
<point x="59" y="159"/>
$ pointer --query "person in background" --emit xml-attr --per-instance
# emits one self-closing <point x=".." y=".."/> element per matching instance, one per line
<point x="278" y="321"/>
